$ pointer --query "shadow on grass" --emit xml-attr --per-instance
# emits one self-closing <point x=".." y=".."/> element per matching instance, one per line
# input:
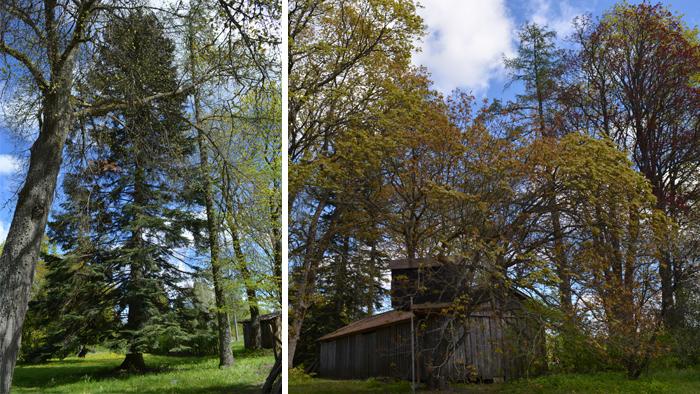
<point x="61" y="372"/>
<point x="59" y="376"/>
<point x="236" y="388"/>
<point x="67" y="371"/>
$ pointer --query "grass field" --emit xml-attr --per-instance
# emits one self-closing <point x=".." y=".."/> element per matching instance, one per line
<point x="666" y="381"/>
<point x="96" y="374"/>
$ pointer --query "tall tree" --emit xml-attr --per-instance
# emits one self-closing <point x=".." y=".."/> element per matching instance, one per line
<point x="340" y="55"/>
<point x="636" y="83"/>
<point x="251" y="199"/>
<point x="539" y="65"/>
<point x="610" y="209"/>
<point x="43" y="47"/>
<point x="224" y="326"/>
<point x="139" y="152"/>
<point x="40" y="42"/>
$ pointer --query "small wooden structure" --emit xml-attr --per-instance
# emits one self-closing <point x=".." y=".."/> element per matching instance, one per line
<point x="267" y="335"/>
<point x="496" y="342"/>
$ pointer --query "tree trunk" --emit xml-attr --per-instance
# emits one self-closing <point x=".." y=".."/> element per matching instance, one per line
<point x="235" y="325"/>
<point x="136" y="317"/>
<point x="273" y="383"/>
<point x="666" y="264"/>
<point x="296" y="320"/>
<point x="256" y="332"/>
<point x="561" y="264"/>
<point x="224" y="327"/>
<point x="666" y="274"/>
<point x="305" y="284"/>
<point x="22" y="246"/>
<point x="223" y="324"/>
<point x="276" y="212"/>
<point x="256" y="337"/>
<point x="133" y="362"/>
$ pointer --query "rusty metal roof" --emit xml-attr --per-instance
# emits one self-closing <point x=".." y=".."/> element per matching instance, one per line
<point x="369" y="323"/>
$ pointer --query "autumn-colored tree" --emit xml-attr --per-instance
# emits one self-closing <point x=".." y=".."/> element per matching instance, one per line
<point x="611" y="213"/>
<point x="341" y="54"/>
<point x="635" y="82"/>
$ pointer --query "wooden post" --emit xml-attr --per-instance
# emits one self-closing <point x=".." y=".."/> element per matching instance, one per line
<point x="413" y="354"/>
<point x="235" y="325"/>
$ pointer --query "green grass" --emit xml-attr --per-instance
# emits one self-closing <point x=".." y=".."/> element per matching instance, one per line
<point x="305" y="384"/>
<point x="96" y="373"/>
<point x="664" y="381"/>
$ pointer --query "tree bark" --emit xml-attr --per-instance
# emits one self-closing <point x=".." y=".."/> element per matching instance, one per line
<point x="224" y="327"/>
<point x="561" y="263"/>
<point x="273" y="383"/>
<point x="23" y="243"/>
<point x="256" y="337"/>
<point x="136" y="317"/>
<point x="133" y="362"/>
<point x="276" y="213"/>
<point x="223" y="323"/>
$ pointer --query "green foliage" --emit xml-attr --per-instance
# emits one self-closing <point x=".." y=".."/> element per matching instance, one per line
<point x="123" y="216"/>
<point x="539" y="65"/>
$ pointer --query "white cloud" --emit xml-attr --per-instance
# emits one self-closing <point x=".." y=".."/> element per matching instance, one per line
<point x="3" y="231"/>
<point x="557" y="17"/>
<point x="9" y="164"/>
<point x="466" y="42"/>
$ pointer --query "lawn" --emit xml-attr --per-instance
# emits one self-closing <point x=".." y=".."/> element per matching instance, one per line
<point x="96" y="373"/>
<point x="666" y="381"/>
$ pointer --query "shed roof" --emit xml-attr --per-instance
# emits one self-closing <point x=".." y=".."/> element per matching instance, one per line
<point x="369" y="323"/>
<point x="420" y="262"/>
<point x="269" y="316"/>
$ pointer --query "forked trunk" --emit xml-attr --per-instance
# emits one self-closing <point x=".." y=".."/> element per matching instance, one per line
<point x="22" y="246"/>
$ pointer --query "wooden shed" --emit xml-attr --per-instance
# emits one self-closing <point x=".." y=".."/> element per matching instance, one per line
<point x="267" y="335"/>
<point x="498" y="341"/>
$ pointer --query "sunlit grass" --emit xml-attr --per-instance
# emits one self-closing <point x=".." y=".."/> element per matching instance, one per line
<point x="97" y="373"/>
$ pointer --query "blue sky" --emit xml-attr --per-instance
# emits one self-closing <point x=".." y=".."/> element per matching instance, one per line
<point x="465" y="46"/>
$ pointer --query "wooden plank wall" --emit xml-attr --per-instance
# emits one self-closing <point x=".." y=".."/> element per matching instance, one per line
<point x="473" y="352"/>
<point x="490" y="349"/>
<point x="384" y="352"/>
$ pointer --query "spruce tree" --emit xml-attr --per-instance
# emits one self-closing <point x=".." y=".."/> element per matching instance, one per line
<point x="133" y="168"/>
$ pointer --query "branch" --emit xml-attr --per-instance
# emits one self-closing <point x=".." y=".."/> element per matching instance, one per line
<point x="22" y="15"/>
<point x="84" y="11"/>
<point x="106" y="106"/>
<point x="27" y="62"/>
